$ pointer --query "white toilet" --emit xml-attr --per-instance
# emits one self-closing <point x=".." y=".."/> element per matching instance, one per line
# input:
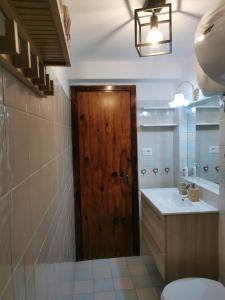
<point x="194" y="289"/>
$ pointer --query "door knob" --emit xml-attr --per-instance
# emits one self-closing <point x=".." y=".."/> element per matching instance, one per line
<point x="115" y="221"/>
<point x="124" y="176"/>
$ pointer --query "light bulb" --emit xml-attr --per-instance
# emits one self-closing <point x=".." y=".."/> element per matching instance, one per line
<point x="144" y="113"/>
<point x="154" y="36"/>
<point x="179" y="101"/>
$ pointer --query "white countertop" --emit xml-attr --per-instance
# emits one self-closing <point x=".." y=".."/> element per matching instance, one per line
<point x="168" y="202"/>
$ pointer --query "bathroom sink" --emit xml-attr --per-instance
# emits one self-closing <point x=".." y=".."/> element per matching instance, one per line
<point x="169" y="201"/>
<point x="173" y="199"/>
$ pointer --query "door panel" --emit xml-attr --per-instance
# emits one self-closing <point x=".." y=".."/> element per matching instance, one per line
<point x="106" y="173"/>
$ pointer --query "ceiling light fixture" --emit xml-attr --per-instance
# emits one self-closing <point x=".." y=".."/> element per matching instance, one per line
<point x="153" y="28"/>
<point x="180" y="100"/>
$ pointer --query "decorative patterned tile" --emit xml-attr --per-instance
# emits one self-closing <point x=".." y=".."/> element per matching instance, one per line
<point x="101" y="273"/>
<point x="84" y="297"/>
<point x="84" y="287"/>
<point x="83" y="275"/>
<point x="126" y="295"/>
<point x="137" y="269"/>
<point x="147" y="259"/>
<point x="83" y="265"/>
<point x="134" y="260"/>
<point x="156" y="279"/>
<point x="147" y="294"/>
<point x="142" y="281"/>
<point x="105" y="296"/>
<point x="118" y="271"/>
<point x="118" y="262"/>
<point x="100" y="263"/>
<point x="124" y="283"/>
<point x="151" y="267"/>
<point x="103" y="285"/>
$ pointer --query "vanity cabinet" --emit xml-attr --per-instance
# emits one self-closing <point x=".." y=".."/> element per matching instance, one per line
<point x="182" y="245"/>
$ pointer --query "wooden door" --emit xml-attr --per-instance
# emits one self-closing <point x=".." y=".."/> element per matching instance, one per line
<point x="106" y="172"/>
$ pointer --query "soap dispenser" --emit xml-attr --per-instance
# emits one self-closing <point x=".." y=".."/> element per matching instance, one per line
<point x="194" y="170"/>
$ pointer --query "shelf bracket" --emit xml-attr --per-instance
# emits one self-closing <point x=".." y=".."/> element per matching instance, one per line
<point x="9" y="43"/>
<point x="45" y="87"/>
<point x="33" y="72"/>
<point x="51" y="91"/>
<point x="41" y="80"/>
<point x="23" y="60"/>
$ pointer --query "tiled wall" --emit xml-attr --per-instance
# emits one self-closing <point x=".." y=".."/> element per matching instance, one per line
<point x="153" y="94"/>
<point x="222" y="199"/>
<point x="206" y="138"/>
<point x="36" y="192"/>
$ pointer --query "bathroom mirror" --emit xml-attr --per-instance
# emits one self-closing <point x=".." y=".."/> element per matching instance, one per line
<point x="203" y="139"/>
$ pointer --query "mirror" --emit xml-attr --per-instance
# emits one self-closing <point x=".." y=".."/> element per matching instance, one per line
<point x="203" y="139"/>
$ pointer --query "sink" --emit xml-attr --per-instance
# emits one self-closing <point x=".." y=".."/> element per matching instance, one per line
<point x="169" y="201"/>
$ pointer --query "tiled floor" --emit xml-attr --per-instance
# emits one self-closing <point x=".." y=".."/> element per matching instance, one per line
<point x="132" y="278"/>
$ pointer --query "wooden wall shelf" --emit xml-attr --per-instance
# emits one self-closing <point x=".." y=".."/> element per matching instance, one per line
<point x="43" y="22"/>
<point x="18" y="74"/>
<point x="32" y="36"/>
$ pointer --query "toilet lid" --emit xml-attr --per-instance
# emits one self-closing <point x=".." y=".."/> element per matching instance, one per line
<point x="194" y="289"/>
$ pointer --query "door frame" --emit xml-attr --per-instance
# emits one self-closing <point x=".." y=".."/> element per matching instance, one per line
<point x="76" y="160"/>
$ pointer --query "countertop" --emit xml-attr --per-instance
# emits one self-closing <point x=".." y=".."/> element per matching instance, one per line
<point x="168" y="202"/>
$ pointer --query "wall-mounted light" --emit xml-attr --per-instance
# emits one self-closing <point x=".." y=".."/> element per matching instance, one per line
<point x="153" y="28"/>
<point x="180" y="100"/>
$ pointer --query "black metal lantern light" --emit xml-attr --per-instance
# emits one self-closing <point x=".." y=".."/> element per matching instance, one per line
<point x="153" y="28"/>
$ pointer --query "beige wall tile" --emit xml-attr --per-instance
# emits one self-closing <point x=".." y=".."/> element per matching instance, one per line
<point x="5" y="245"/>
<point x="21" y="230"/>
<point x="36" y="200"/>
<point x="17" y="132"/>
<point x="15" y="93"/>
<point x="44" y="141"/>
<point x="1" y="86"/>
<point x="3" y="154"/>
<point x="19" y="289"/>
<point x="44" y="108"/>
<point x="33" y="104"/>
<point x="34" y="146"/>
<point x="8" y="292"/>
<point x="41" y="205"/>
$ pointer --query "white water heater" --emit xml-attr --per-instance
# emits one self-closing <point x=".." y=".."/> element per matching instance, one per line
<point x="210" y="51"/>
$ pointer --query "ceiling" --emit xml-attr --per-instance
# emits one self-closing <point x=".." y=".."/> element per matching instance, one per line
<point x="103" y="30"/>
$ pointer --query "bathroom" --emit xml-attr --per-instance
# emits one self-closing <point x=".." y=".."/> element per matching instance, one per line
<point x="112" y="154"/>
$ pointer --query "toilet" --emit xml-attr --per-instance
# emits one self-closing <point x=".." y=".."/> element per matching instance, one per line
<point x="194" y="289"/>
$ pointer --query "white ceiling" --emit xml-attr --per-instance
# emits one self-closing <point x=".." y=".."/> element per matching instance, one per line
<point x="104" y="29"/>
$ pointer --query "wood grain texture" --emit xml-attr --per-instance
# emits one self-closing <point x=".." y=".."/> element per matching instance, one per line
<point x="155" y="225"/>
<point x="158" y="256"/>
<point x="192" y="246"/>
<point x="106" y="179"/>
<point x="181" y="245"/>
